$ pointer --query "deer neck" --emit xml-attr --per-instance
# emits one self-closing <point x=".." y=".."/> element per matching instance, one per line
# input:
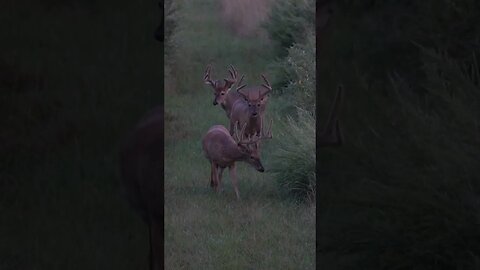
<point x="254" y="124"/>
<point x="234" y="153"/>
<point x="232" y="96"/>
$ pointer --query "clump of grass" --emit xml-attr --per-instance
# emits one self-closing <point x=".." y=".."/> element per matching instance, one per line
<point x="294" y="165"/>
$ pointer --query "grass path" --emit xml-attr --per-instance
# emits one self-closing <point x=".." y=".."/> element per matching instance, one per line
<point x="204" y="230"/>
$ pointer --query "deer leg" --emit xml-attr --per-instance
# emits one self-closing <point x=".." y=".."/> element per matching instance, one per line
<point x="220" y="172"/>
<point x="232" y="125"/>
<point x="233" y="176"/>
<point x="212" y="176"/>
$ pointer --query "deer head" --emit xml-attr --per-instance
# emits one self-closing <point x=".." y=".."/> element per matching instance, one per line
<point x="256" y="98"/>
<point x="332" y="135"/>
<point x="248" y="146"/>
<point x="220" y="89"/>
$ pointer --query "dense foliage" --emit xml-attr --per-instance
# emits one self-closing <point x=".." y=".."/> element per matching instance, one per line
<point x="291" y="29"/>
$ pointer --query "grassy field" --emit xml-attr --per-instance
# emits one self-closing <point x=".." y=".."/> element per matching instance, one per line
<point x="205" y="230"/>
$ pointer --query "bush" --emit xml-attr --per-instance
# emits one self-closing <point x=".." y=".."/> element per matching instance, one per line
<point x="291" y="28"/>
<point x="288" y="23"/>
<point x="295" y="74"/>
<point x="294" y="165"/>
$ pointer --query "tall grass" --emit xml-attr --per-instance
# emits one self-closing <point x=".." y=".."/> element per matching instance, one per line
<point x="295" y="159"/>
<point x="294" y="81"/>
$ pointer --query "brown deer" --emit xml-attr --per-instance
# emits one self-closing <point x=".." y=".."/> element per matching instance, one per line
<point x="223" y="150"/>
<point x="250" y="109"/>
<point x="141" y="163"/>
<point x="222" y="92"/>
<point x="332" y="135"/>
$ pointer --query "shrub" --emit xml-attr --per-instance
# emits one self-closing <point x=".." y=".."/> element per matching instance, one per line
<point x="295" y="74"/>
<point x="294" y="165"/>
<point x="288" y="23"/>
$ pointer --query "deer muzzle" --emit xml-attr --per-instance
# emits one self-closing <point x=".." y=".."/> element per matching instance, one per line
<point x="260" y="167"/>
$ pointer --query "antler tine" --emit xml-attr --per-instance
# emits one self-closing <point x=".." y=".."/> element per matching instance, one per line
<point x="233" y="68"/>
<point x="263" y="134"/>
<point x="207" y="73"/>
<point x="266" y="84"/>
<point x="240" y="82"/>
<point x="206" y="78"/>
<point x="242" y="131"/>
<point x="238" y="136"/>
<point x="235" y="132"/>
<point x="233" y="72"/>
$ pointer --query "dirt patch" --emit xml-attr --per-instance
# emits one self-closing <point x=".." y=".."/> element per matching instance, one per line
<point x="244" y="17"/>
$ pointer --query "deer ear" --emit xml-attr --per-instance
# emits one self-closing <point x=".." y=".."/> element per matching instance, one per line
<point x="264" y="92"/>
<point x="241" y="92"/>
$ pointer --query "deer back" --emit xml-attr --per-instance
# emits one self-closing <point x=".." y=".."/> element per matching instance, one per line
<point x="219" y="146"/>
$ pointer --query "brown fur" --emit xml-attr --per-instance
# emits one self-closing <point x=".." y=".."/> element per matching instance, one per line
<point x="223" y="151"/>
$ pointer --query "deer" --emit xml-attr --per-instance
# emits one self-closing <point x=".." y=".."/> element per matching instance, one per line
<point x="223" y="150"/>
<point x="331" y="135"/>
<point x="141" y="165"/>
<point x="250" y="109"/>
<point x="222" y="92"/>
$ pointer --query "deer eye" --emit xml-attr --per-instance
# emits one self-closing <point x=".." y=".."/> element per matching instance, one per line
<point x="223" y="93"/>
<point x="258" y="105"/>
<point x="252" y="158"/>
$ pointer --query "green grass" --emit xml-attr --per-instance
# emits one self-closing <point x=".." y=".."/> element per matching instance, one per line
<point x="205" y="230"/>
